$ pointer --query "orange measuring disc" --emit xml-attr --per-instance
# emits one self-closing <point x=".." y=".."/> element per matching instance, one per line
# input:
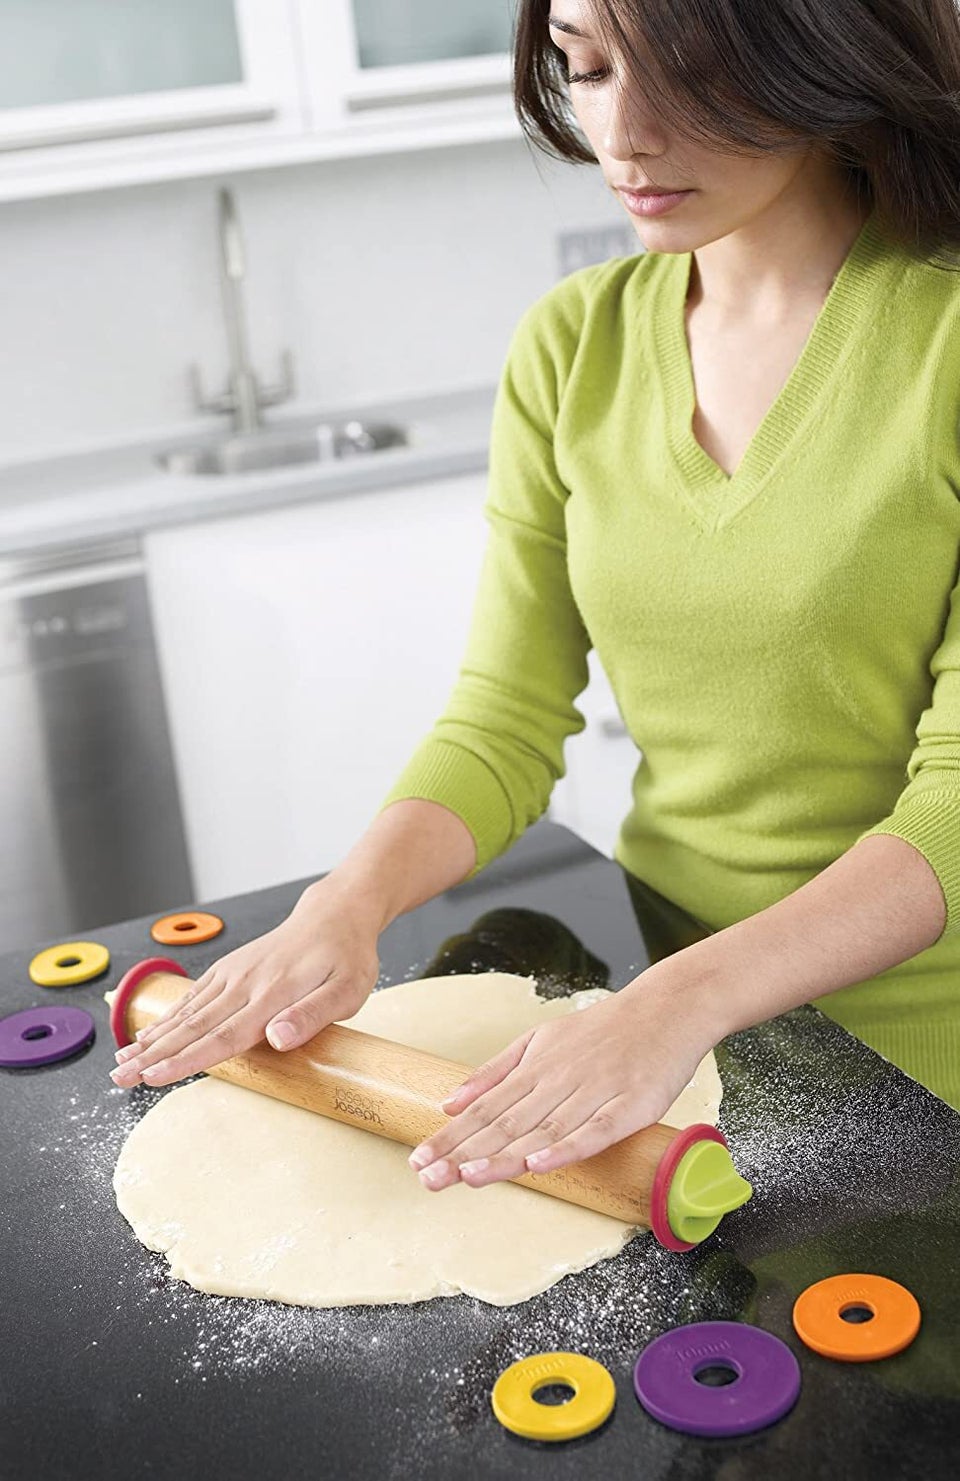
<point x="892" y="1323"/>
<point x="188" y="926"/>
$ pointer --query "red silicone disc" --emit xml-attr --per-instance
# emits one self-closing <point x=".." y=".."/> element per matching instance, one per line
<point x="128" y="984"/>
<point x="669" y="1162"/>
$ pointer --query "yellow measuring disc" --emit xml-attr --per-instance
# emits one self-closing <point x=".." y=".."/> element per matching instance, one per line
<point x="594" y="1395"/>
<point x="68" y="964"/>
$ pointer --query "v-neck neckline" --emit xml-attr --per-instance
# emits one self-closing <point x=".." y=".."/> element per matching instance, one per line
<point x="715" y="496"/>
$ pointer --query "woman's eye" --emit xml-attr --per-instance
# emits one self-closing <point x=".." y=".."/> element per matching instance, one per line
<point x="597" y="75"/>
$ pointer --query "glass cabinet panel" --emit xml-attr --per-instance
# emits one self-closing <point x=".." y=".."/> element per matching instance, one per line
<point x="65" y="51"/>
<point x="397" y="33"/>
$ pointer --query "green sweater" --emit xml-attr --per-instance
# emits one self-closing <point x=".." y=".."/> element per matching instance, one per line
<point x="784" y="645"/>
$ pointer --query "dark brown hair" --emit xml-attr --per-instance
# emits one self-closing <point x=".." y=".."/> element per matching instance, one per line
<point x="874" y="83"/>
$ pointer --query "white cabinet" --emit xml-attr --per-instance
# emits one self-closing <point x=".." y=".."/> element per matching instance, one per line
<point x="95" y="94"/>
<point x="79" y="71"/>
<point x="594" y="796"/>
<point x="305" y="652"/>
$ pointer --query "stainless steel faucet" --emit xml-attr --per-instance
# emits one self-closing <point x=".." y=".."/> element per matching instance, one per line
<point x="244" y="397"/>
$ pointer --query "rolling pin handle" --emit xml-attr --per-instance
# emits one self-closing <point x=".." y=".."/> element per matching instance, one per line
<point x="693" y="1188"/>
<point x="128" y="985"/>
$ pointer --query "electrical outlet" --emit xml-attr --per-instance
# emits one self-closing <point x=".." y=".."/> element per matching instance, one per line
<point x="576" y="249"/>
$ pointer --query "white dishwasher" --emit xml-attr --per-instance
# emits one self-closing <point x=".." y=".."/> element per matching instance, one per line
<point x="90" y="813"/>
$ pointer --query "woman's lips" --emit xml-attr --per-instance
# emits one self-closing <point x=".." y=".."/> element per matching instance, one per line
<point x="652" y="204"/>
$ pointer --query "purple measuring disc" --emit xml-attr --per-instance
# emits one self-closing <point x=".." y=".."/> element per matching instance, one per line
<point x="38" y="1036"/>
<point x="766" y="1385"/>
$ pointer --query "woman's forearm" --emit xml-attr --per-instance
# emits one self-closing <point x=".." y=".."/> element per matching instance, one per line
<point x="877" y="905"/>
<point x="412" y="851"/>
<point x="566" y="1090"/>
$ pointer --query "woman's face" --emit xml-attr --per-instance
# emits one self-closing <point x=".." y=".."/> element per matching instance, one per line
<point x="633" y="149"/>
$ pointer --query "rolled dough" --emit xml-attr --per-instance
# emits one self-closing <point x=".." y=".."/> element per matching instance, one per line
<point x="249" y="1196"/>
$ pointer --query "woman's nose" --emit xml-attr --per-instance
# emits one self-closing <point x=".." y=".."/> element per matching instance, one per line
<point x="624" y="131"/>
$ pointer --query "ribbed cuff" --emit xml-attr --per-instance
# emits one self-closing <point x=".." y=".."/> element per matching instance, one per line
<point x="930" y="821"/>
<point x="449" y="774"/>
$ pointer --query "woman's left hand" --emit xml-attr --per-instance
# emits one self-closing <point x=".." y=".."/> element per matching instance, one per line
<point x="565" y="1090"/>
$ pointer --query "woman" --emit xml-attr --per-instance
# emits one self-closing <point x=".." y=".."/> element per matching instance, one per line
<point x="729" y="463"/>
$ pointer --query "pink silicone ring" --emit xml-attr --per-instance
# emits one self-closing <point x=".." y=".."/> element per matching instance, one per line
<point x="669" y="1162"/>
<point x="128" y="984"/>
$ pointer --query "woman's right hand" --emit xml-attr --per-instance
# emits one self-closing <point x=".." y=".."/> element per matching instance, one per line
<point x="317" y="967"/>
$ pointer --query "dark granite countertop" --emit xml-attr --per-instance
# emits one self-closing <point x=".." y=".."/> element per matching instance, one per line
<point x="110" y="1369"/>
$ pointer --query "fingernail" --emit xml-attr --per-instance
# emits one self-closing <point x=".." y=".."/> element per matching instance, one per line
<point x="154" y="1069"/>
<point x="281" y="1035"/>
<point x="535" y="1158"/>
<point x="129" y="1051"/>
<point x="449" y="1100"/>
<point x="420" y="1157"/>
<point x="434" y="1174"/>
<point x="140" y="1034"/>
<point x="471" y="1168"/>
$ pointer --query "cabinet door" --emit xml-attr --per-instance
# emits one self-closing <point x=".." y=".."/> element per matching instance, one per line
<point x="305" y="652"/>
<point x="393" y="33"/>
<point x="364" y="58"/>
<point x="79" y="70"/>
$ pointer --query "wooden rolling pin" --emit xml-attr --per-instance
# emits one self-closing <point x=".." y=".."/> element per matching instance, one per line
<point x="396" y="1091"/>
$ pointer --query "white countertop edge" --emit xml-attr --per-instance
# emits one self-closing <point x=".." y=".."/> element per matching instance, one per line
<point x="89" y="495"/>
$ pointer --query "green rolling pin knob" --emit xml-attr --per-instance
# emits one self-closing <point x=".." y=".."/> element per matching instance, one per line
<point x="695" y="1185"/>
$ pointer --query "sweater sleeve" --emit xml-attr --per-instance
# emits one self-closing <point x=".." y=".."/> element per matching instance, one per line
<point x="496" y="751"/>
<point x="927" y="812"/>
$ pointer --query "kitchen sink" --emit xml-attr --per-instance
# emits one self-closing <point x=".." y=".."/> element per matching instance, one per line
<point x="321" y="442"/>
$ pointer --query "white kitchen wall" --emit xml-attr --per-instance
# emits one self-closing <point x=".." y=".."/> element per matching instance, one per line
<point x="385" y="277"/>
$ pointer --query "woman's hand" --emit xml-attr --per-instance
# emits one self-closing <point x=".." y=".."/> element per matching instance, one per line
<point x="566" y="1090"/>
<point x="317" y="967"/>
